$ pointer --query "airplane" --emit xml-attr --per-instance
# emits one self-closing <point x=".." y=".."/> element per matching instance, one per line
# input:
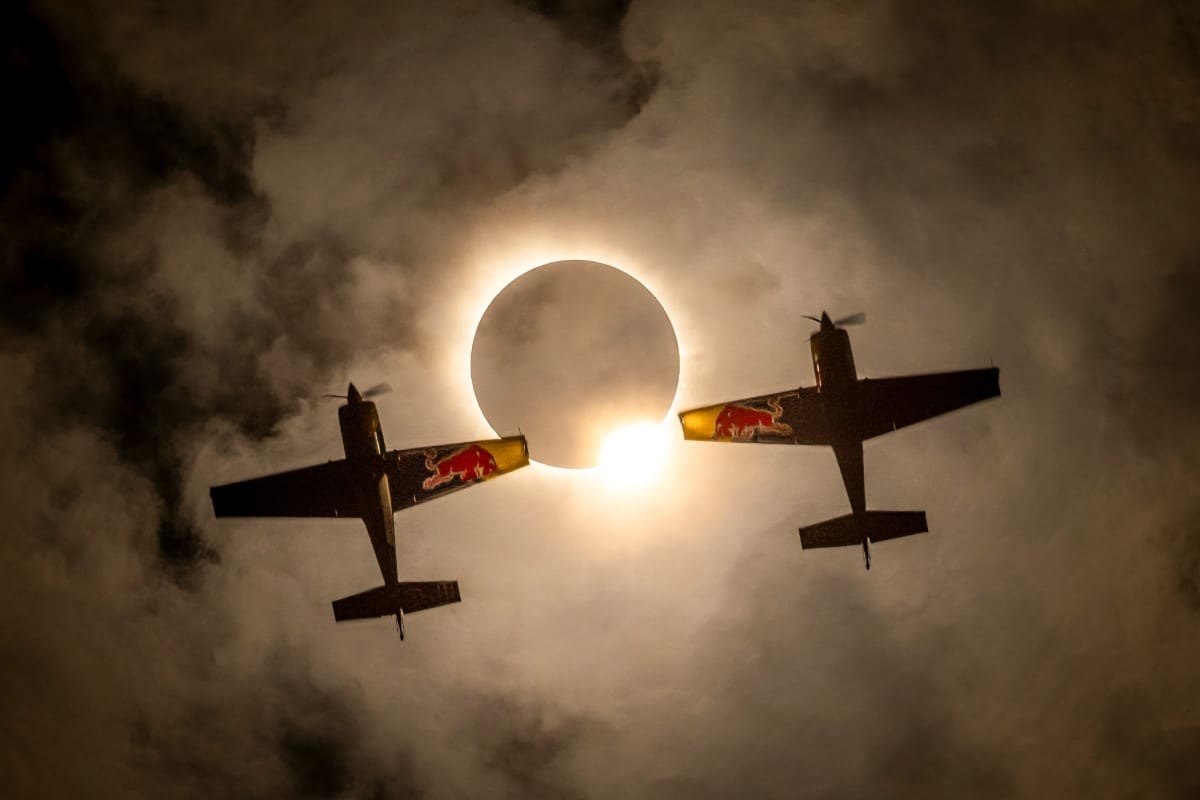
<point x="842" y="411"/>
<point x="372" y="483"/>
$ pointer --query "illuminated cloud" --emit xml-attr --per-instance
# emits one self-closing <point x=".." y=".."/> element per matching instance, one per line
<point x="213" y="216"/>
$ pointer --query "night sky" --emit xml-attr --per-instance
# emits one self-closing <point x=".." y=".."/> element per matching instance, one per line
<point x="212" y="216"/>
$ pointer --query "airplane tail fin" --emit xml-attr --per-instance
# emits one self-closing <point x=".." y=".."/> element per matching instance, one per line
<point x="396" y="598"/>
<point x="851" y="529"/>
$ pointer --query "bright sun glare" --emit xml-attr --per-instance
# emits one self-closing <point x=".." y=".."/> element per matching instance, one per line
<point x="633" y="455"/>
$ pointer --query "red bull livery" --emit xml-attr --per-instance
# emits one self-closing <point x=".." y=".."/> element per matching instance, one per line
<point x="841" y="411"/>
<point x="372" y="483"/>
<point x="746" y="424"/>
<point x="471" y="463"/>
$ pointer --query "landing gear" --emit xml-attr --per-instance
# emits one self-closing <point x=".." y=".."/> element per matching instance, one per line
<point x="400" y="623"/>
<point x="867" y="552"/>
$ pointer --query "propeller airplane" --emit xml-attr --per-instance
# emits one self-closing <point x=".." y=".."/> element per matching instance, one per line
<point x="372" y="483"/>
<point x="842" y="411"/>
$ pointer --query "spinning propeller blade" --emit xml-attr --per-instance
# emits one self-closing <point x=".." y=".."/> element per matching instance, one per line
<point x="374" y="391"/>
<point x="377" y="389"/>
<point x="852" y="319"/>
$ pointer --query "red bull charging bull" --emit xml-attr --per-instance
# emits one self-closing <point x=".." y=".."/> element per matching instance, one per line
<point x="471" y="463"/>
<point x="744" y="422"/>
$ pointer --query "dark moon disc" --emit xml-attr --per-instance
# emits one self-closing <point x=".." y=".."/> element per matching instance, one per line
<point x="569" y="352"/>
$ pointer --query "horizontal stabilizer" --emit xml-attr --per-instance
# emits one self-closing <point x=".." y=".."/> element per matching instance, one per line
<point x="851" y="529"/>
<point x="838" y="532"/>
<point x="390" y="599"/>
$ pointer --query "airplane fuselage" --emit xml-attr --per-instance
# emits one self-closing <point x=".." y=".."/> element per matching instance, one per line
<point x="837" y="382"/>
<point x="833" y="361"/>
<point x="362" y="439"/>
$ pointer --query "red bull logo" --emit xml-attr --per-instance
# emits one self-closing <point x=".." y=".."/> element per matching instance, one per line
<point x="744" y="423"/>
<point x="468" y="464"/>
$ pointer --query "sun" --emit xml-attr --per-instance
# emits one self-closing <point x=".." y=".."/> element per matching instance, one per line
<point x="634" y="455"/>
<point x="569" y="351"/>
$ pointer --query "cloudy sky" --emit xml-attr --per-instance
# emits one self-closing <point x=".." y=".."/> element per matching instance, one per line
<point x="212" y="216"/>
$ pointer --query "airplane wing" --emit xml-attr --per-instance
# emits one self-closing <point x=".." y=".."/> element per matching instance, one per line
<point x="792" y="417"/>
<point x="423" y="473"/>
<point x="887" y="404"/>
<point x="326" y="490"/>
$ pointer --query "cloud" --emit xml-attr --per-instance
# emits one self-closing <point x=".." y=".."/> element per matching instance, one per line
<point x="211" y="216"/>
<point x="167" y="289"/>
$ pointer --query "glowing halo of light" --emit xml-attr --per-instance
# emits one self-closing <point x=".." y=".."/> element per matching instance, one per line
<point x="634" y="455"/>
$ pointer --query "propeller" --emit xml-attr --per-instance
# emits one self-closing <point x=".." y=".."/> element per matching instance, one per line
<point x="374" y="391"/>
<point x="844" y="322"/>
<point x="377" y="389"/>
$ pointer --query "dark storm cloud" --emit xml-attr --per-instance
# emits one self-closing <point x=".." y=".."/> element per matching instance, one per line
<point x="83" y="126"/>
<point x="1158" y="401"/>
<point x="1183" y="536"/>
<point x="1022" y="164"/>
<point x="152" y="293"/>
<point x="92" y="146"/>
<point x="527" y="746"/>
<point x="1161" y="757"/>
<point x="597" y="25"/>
<point x="821" y="692"/>
<point x="1161" y="404"/>
<point x="210" y="215"/>
<point x="88" y="146"/>
<point x="306" y="747"/>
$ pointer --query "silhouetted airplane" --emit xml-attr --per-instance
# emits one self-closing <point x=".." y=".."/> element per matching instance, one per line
<point x="842" y="411"/>
<point x="372" y="483"/>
